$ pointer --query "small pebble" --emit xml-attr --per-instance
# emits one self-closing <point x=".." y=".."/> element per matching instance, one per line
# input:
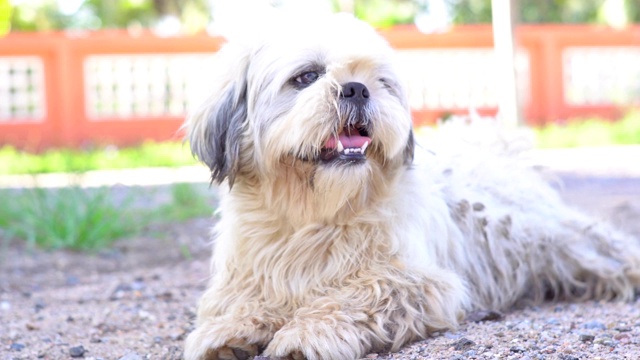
<point x="39" y="305"/>
<point x="594" y="325"/>
<point x="145" y="315"/>
<point x="122" y="289"/>
<point x="72" y="280"/>
<point x="372" y="356"/>
<point x="77" y="351"/>
<point x="622" y="329"/>
<point x="478" y="316"/>
<point x="134" y="356"/>
<point x="553" y="321"/>
<point x="621" y="336"/>
<point x="463" y="343"/>
<point x="586" y="337"/>
<point x="452" y="336"/>
<point x="138" y="284"/>
<point x="523" y="325"/>
<point x="569" y="357"/>
<point x="517" y="349"/>
<point x="16" y="347"/>
<point x="609" y="343"/>
<point x="178" y="335"/>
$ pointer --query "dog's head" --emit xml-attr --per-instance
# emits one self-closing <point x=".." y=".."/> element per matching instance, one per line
<point x="322" y="101"/>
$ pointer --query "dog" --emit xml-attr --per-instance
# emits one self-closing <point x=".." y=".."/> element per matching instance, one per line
<point x="335" y="239"/>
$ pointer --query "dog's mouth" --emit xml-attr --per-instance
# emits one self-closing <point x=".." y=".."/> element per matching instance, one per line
<point x="349" y="146"/>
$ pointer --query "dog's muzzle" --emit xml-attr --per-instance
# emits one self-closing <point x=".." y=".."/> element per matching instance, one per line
<point x="350" y="145"/>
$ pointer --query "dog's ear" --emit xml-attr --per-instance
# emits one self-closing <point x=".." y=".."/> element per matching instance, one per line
<point x="215" y="129"/>
<point x="409" y="149"/>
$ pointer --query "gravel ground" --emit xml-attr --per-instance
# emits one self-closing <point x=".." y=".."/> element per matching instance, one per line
<point x="137" y="300"/>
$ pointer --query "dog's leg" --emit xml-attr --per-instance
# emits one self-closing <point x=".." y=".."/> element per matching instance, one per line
<point x="547" y="250"/>
<point x="322" y="334"/>
<point x="231" y="337"/>
<point x="590" y="259"/>
<point x="373" y="312"/>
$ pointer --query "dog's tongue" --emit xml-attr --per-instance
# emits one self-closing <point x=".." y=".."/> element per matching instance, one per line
<point x="350" y="139"/>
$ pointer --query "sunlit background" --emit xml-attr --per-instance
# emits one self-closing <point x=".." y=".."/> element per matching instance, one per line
<point x="190" y="16"/>
<point x="105" y="215"/>
<point x="91" y="74"/>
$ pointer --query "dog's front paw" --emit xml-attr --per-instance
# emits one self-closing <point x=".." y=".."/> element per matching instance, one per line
<point x="227" y="338"/>
<point x="317" y="338"/>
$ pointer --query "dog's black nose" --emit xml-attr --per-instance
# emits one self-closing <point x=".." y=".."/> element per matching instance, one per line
<point x="355" y="92"/>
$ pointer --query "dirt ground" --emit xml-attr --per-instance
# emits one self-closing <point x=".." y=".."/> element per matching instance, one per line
<point x="137" y="300"/>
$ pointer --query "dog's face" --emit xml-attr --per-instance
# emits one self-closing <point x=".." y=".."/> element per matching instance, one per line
<point x="319" y="105"/>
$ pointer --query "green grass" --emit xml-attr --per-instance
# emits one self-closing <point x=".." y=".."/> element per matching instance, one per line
<point x="591" y="132"/>
<point x="187" y="202"/>
<point x="89" y="219"/>
<point x="148" y="154"/>
<point x="73" y="217"/>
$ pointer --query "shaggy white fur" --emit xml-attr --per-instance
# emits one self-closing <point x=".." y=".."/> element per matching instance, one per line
<point x="334" y="242"/>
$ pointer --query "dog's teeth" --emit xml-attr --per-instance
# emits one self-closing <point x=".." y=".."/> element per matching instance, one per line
<point x="348" y="151"/>
<point x="339" y="147"/>
<point x="364" y="147"/>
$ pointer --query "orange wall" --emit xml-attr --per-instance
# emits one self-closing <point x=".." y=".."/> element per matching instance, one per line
<point x="66" y="123"/>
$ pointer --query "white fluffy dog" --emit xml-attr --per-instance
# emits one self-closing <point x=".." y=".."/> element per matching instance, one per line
<point x="334" y="242"/>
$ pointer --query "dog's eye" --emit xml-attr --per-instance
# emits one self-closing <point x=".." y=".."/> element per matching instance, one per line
<point x="385" y="83"/>
<point x="307" y="78"/>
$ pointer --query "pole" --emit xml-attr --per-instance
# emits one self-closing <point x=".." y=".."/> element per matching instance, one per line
<point x="504" y="22"/>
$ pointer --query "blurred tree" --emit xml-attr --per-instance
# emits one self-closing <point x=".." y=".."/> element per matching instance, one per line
<point x="633" y="10"/>
<point x="470" y="11"/>
<point x="392" y="12"/>
<point x="385" y="13"/>
<point x="38" y="15"/>
<point x="121" y="13"/>
<point x="5" y="17"/>
<point x="193" y="15"/>
<point x="543" y="11"/>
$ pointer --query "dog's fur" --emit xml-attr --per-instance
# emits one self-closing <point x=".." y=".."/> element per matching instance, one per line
<point x="333" y="259"/>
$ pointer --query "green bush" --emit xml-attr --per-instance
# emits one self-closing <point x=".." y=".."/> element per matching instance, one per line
<point x="591" y="132"/>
